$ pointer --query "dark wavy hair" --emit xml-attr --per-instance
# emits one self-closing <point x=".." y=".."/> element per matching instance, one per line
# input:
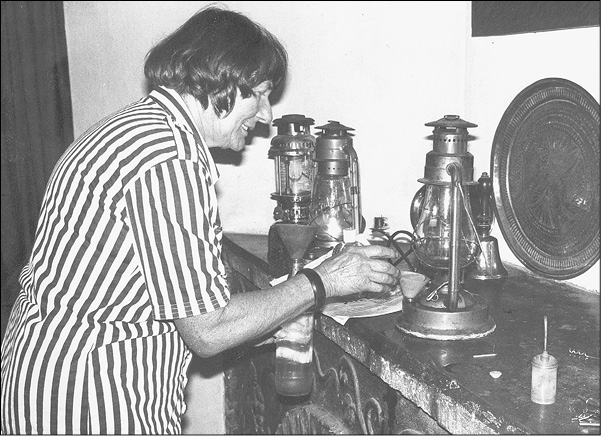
<point x="215" y="53"/>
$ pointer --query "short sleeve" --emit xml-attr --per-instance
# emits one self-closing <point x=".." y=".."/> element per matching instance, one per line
<point x="173" y="213"/>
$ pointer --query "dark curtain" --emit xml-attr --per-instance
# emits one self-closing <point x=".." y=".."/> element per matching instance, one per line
<point x="37" y="124"/>
<point x="510" y="17"/>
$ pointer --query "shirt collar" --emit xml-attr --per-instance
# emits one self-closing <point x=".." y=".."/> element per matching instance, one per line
<point x="174" y="104"/>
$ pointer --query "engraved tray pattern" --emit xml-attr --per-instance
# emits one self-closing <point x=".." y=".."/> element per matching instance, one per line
<point x="545" y="166"/>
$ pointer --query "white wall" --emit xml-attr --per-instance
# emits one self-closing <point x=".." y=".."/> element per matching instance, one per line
<point x="383" y="68"/>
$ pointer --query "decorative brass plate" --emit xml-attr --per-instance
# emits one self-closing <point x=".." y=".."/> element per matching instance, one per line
<point x="545" y="166"/>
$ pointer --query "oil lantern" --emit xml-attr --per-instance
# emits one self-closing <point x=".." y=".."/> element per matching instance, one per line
<point x="445" y="241"/>
<point x="292" y="152"/>
<point x="335" y="197"/>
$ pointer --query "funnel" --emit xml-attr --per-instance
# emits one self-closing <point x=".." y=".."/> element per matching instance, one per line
<point x="296" y="238"/>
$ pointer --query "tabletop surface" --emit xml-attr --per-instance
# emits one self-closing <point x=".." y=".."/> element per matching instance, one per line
<point x="518" y="305"/>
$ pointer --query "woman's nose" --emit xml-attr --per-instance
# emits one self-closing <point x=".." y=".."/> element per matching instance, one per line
<point x="265" y="114"/>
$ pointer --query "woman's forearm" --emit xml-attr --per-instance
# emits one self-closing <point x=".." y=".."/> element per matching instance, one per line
<point x="248" y="316"/>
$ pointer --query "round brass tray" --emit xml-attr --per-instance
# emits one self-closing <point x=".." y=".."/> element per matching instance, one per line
<point x="545" y="166"/>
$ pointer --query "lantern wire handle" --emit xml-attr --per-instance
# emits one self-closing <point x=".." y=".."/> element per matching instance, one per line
<point x="469" y="215"/>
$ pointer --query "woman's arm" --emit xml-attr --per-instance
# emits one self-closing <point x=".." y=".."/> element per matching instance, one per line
<point x="252" y="315"/>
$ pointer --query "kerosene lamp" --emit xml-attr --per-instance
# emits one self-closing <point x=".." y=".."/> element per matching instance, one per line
<point x="335" y="197"/>
<point x="445" y="240"/>
<point x="292" y="152"/>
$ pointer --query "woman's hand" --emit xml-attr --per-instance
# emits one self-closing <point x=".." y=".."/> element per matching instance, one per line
<point x="360" y="269"/>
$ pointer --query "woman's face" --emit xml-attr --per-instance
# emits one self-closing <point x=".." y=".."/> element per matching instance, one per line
<point x="231" y="131"/>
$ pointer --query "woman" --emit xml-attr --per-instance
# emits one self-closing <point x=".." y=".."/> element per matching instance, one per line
<point x="125" y="279"/>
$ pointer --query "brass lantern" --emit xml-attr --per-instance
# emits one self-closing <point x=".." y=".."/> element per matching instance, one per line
<point x="445" y="240"/>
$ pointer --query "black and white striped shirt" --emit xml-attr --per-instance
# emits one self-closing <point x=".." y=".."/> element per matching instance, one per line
<point x="128" y="239"/>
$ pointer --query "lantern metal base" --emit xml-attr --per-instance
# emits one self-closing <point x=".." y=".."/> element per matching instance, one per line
<point x="433" y="320"/>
